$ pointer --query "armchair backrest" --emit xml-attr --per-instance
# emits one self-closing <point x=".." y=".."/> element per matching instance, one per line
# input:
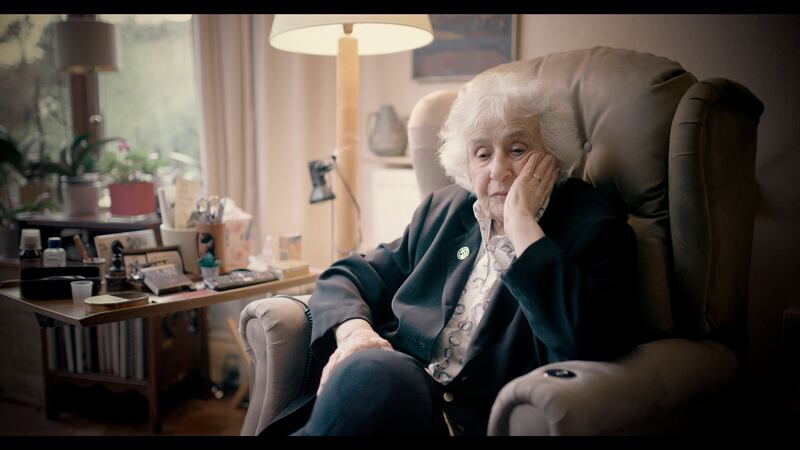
<point x="678" y="155"/>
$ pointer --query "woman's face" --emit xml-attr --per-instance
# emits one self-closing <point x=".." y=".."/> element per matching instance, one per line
<point x="497" y="154"/>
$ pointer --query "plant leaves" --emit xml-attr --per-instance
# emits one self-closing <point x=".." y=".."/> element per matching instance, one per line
<point x="85" y="152"/>
<point x="10" y="154"/>
<point x="55" y="167"/>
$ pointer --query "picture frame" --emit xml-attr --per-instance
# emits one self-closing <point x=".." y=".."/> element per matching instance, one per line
<point x="131" y="240"/>
<point x="151" y="256"/>
<point x="465" y="45"/>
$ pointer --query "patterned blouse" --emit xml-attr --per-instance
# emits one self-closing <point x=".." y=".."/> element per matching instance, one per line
<point x="494" y="256"/>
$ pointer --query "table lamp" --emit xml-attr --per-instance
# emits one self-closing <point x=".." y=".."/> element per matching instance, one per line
<point x="347" y="36"/>
<point x="84" y="47"/>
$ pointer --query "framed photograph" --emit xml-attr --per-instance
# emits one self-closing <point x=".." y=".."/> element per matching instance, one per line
<point x="465" y="45"/>
<point x="150" y="257"/>
<point x="131" y="240"/>
<point x="130" y="262"/>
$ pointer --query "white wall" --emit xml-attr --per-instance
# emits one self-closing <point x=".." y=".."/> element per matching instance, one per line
<point x="761" y="52"/>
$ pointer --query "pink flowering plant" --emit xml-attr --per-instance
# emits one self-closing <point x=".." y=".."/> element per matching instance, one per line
<point x="129" y="165"/>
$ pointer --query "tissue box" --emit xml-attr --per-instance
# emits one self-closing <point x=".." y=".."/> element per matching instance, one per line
<point x="237" y="244"/>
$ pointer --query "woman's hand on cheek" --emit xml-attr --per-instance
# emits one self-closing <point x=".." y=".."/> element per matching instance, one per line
<point x="527" y="195"/>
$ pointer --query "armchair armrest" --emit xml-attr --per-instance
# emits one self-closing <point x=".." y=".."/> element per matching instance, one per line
<point x="613" y="397"/>
<point x="275" y="333"/>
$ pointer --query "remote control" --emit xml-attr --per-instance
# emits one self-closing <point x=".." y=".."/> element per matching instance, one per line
<point x="239" y="279"/>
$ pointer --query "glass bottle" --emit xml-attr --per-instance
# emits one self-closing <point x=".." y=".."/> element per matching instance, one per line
<point x="54" y="256"/>
<point x="30" y="248"/>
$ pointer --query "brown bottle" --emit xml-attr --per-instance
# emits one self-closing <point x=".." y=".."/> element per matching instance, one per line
<point x="30" y="248"/>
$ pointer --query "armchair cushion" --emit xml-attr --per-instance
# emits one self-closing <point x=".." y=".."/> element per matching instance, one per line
<point x="275" y="333"/>
<point x="614" y="397"/>
<point x="423" y="138"/>
<point x="624" y="103"/>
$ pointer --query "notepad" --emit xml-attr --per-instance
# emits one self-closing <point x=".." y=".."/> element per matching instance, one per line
<point x="186" y="193"/>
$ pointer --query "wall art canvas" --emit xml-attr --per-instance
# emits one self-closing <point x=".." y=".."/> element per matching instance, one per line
<point x="465" y="45"/>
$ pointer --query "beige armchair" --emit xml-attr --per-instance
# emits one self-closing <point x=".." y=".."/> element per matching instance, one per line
<point x="679" y="155"/>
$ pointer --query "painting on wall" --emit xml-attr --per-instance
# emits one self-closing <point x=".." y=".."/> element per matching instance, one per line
<point x="465" y="45"/>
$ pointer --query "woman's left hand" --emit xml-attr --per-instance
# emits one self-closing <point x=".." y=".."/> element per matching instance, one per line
<point x="527" y="195"/>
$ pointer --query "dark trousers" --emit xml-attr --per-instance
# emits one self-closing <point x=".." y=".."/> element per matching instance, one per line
<point x="377" y="392"/>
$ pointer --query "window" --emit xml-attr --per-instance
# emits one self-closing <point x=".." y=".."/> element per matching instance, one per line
<point x="152" y="100"/>
<point x="35" y="94"/>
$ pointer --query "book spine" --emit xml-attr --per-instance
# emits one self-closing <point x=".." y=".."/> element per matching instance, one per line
<point x="68" y="349"/>
<point x="87" y="350"/>
<point x="115" y="348"/>
<point x="123" y="349"/>
<point x="101" y="347"/>
<point x="52" y="346"/>
<point x="130" y="350"/>
<point x="77" y="337"/>
<point x="106" y="348"/>
<point x="107" y="345"/>
<point x="139" y="342"/>
<point x="93" y="343"/>
<point x="61" y="352"/>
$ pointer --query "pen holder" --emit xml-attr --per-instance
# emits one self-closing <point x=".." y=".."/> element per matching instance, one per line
<point x="211" y="239"/>
<point x="229" y="242"/>
<point x="100" y="263"/>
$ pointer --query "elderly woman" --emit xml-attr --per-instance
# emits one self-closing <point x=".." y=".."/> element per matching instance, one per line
<point x="512" y="267"/>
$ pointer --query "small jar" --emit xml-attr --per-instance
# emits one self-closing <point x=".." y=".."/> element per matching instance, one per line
<point x="54" y="256"/>
<point x="30" y="248"/>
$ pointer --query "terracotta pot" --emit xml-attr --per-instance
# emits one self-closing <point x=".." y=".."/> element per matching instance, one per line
<point x="132" y="199"/>
<point x="31" y="191"/>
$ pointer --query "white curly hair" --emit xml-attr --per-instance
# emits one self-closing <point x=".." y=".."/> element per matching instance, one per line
<point x="495" y="97"/>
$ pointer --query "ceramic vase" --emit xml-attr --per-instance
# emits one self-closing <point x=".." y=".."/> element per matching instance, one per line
<point x="387" y="135"/>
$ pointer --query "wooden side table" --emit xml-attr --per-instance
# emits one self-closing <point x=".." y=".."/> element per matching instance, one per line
<point x="48" y="312"/>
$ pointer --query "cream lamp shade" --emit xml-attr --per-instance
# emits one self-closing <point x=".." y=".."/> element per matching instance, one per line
<point x="347" y="36"/>
<point x="86" y="46"/>
<point x="318" y="34"/>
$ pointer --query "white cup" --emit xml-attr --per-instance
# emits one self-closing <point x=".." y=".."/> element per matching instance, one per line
<point x="209" y="272"/>
<point x="186" y="240"/>
<point x="81" y="290"/>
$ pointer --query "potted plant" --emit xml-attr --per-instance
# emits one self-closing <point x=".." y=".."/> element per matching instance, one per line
<point x="20" y="170"/>
<point x="79" y="184"/>
<point x="15" y="165"/>
<point x="131" y="172"/>
<point x="209" y="266"/>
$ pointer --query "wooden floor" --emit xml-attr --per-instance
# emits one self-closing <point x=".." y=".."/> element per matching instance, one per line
<point x="190" y="417"/>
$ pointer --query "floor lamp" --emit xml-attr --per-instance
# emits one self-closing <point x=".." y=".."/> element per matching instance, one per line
<point x="347" y="36"/>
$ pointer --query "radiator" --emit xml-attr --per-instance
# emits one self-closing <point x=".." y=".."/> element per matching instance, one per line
<point x="394" y="198"/>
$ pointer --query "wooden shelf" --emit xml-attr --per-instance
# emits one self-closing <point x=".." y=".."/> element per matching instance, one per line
<point x="111" y="382"/>
<point x="397" y="161"/>
<point x="102" y="220"/>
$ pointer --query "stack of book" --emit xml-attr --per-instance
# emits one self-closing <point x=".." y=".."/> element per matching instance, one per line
<point x="288" y="268"/>
<point x="115" y="348"/>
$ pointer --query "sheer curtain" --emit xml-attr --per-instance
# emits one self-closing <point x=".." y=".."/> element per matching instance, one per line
<point x="265" y="114"/>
